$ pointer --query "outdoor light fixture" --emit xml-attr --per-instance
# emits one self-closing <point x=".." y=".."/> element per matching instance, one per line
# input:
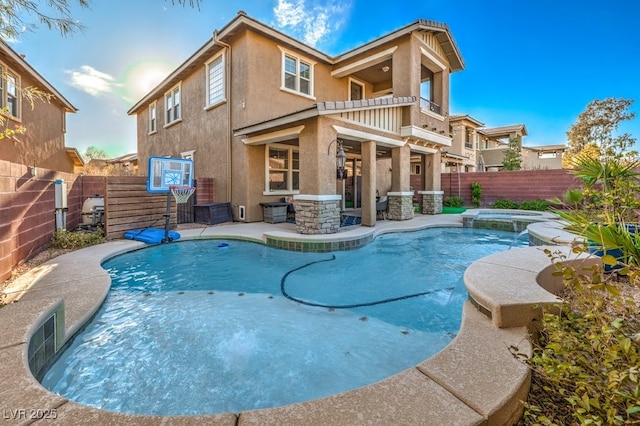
<point x="341" y="159"/>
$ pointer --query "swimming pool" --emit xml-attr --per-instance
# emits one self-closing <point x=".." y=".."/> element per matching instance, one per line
<point x="219" y="339"/>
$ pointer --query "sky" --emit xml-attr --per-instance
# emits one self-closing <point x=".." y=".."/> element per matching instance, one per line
<point x="532" y="62"/>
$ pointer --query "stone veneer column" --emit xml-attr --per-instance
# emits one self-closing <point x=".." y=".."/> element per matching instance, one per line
<point x="400" y="205"/>
<point x="431" y="202"/>
<point x="317" y="214"/>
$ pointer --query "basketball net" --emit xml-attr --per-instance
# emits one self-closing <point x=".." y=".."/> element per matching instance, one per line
<point x="182" y="193"/>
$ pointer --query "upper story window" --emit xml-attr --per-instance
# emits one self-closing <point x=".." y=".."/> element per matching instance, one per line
<point x="297" y="74"/>
<point x="9" y="99"/>
<point x="283" y="168"/>
<point x="356" y="90"/>
<point x="215" y="81"/>
<point x="172" y="105"/>
<point x="153" y="120"/>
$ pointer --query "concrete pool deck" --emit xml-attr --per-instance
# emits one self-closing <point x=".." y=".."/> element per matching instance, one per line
<point x="475" y="380"/>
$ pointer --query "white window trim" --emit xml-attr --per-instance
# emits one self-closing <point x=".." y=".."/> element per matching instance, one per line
<point x="153" y="106"/>
<point x="4" y="71"/>
<point x="188" y="154"/>
<point x="359" y="83"/>
<point x="312" y="64"/>
<point x="207" y="82"/>
<point x="171" y="91"/>
<point x="290" y="149"/>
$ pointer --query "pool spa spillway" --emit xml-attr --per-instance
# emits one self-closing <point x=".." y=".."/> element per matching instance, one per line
<point x="213" y="326"/>
<point x="503" y="219"/>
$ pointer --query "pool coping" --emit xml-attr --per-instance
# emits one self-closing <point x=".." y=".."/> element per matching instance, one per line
<point x="475" y="380"/>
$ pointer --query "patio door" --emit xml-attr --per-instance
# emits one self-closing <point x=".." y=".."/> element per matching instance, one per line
<point x="352" y="190"/>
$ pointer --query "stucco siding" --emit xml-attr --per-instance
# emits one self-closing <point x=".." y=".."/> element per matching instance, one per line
<point x="43" y="143"/>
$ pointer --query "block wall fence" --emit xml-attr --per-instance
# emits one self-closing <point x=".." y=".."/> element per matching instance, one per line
<point x="519" y="185"/>
<point x="27" y="209"/>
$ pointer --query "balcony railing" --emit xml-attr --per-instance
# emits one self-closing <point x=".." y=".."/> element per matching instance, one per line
<point x="427" y="105"/>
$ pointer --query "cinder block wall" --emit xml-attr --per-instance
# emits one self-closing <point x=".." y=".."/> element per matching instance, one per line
<point x="519" y="185"/>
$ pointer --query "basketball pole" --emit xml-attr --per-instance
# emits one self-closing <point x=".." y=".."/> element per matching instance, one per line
<point x="167" y="223"/>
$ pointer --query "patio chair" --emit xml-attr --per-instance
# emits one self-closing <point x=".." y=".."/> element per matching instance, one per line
<point x="291" y="207"/>
<point x="381" y="207"/>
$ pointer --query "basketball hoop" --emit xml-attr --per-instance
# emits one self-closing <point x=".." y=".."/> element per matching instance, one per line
<point x="182" y="193"/>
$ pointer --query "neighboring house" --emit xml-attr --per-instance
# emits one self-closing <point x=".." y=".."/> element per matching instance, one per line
<point x="124" y="165"/>
<point x="463" y="155"/>
<point x="43" y="144"/>
<point x="543" y="156"/>
<point x="476" y="148"/>
<point x="265" y="115"/>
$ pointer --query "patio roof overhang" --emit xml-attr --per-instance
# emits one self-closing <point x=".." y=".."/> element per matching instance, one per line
<point x="325" y="108"/>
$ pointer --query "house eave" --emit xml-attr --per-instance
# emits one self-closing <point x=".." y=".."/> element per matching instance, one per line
<point x="443" y="34"/>
<point x="75" y="156"/>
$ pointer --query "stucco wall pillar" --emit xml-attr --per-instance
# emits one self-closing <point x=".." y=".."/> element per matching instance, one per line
<point x="368" y="150"/>
<point x="431" y="174"/>
<point x="317" y="159"/>
<point x="401" y="168"/>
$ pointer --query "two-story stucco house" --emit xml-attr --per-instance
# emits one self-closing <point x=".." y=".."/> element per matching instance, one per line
<point x="266" y="116"/>
<point x="43" y="143"/>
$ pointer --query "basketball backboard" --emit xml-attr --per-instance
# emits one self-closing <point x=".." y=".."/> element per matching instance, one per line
<point x="165" y="172"/>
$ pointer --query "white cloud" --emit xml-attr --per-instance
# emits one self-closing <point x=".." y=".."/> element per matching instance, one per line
<point x="289" y="14"/>
<point x="92" y="81"/>
<point x="311" y="20"/>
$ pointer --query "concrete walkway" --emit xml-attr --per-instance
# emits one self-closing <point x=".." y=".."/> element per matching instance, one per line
<point x="475" y="380"/>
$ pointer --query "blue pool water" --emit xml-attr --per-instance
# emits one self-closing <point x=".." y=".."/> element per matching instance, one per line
<point x="201" y="327"/>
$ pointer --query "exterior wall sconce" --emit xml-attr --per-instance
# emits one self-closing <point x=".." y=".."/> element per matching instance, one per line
<point x="341" y="159"/>
<point x="385" y="69"/>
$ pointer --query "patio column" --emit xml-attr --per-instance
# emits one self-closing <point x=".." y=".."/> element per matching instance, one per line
<point x="317" y="204"/>
<point x="401" y="168"/>
<point x="317" y="214"/>
<point x="432" y="171"/>
<point x="400" y="205"/>
<point x="431" y="202"/>
<point x="368" y="150"/>
<point x="401" y="196"/>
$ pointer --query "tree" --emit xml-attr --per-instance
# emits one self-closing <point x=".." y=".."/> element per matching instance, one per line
<point x="512" y="156"/>
<point x="94" y="153"/>
<point x="598" y="125"/>
<point x="54" y="14"/>
<point x="590" y="150"/>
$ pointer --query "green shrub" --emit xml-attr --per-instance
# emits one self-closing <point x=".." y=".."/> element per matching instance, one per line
<point x="503" y="203"/>
<point x="586" y="361"/>
<point x="454" y="201"/>
<point x="537" y="205"/>
<point x="476" y="194"/>
<point x="64" y="239"/>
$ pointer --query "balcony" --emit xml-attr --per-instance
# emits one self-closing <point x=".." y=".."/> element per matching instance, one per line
<point x="427" y="105"/>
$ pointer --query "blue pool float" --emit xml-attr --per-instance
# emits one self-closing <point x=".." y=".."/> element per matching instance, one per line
<point x="150" y="235"/>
